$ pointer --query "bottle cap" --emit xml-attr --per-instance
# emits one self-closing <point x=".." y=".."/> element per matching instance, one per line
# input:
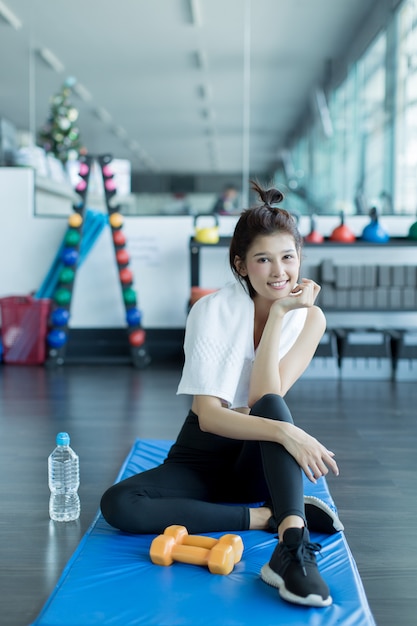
<point x="62" y="439"/>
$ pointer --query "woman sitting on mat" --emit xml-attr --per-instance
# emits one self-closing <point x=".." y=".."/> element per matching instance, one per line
<point x="245" y="346"/>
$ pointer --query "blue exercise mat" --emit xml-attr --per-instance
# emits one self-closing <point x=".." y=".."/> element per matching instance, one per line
<point x="110" y="579"/>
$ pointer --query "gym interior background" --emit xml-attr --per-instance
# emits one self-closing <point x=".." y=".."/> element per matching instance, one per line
<point x="318" y="98"/>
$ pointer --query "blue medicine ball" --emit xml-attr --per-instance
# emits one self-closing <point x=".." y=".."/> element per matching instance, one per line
<point x="56" y="338"/>
<point x="133" y="316"/>
<point x="60" y="317"/>
<point x="69" y="256"/>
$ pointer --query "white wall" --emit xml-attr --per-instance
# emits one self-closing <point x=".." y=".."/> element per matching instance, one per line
<point x="28" y="245"/>
<point x="158" y="248"/>
<point x="160" y="260"/>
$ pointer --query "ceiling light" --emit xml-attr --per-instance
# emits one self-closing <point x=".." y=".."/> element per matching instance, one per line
<point x="82" y="92"/>
<point x="51" y="60"/>
<point x="195" y="12"/>
<point x="141" y="153"/>
<point x="200" y="59"/>
<point x="9" y="17"/>
<point x="103" y="115"/>
<point x="204" y="92"/>
<point x="120" y="132"/>
<point x="208" y="114"/>
<point x="133" y="145"/>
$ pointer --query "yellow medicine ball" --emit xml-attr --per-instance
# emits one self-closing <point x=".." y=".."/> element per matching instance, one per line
<point x="75" y="220"/>
<point x="116" y="220"/>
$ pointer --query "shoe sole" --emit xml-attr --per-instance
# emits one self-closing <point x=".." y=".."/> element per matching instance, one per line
<point x="274" y="580"/>
<point x="320" y="517"/>
<point x="326" y="520"/>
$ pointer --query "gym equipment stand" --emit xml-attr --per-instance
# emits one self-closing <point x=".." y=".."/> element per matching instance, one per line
<point x="58" y="334"/>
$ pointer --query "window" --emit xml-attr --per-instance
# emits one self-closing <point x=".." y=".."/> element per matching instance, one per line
<point x="371" y="77"/>
<point x="349" y="168"/>
<point x="406" y="108"/>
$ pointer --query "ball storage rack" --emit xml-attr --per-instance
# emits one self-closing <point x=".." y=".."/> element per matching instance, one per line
<point x="59" y="328"/>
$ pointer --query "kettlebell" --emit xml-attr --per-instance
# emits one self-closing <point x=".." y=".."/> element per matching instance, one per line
<point x="373" y="232"/>
<point x="208" y="234"/>
<point x="342" y="233"/>
<point x="314" y="236"/>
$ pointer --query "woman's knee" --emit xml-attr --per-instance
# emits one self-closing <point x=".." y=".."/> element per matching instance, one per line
<point x="272" y="406"/>
<point x="126" y="509"/>
<point x="114" y="506"/>
<point x="109" y="505"/>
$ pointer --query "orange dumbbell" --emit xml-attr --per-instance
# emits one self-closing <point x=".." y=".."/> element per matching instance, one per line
<point x="182" y="537"/>
<point x="219" y="555"/>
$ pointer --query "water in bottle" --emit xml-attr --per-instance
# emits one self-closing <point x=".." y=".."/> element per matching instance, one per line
<point x="64" y="480"/>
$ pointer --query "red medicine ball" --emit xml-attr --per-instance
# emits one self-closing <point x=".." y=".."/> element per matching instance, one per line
<point x="119" y="238"/>
<point x="126" y="276"/>
<point x="122" y="257"/>
<point x="137" y="338"/>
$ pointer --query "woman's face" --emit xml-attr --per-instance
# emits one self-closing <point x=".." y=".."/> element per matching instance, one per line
<point x="272" y="265"/>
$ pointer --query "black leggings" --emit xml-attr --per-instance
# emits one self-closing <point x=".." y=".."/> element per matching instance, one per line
<point x="208" y="483"/>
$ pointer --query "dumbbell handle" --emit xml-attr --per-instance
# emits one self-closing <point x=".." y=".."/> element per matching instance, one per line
<point x="194" y="555"/>
<point x="209" y="542"/>
<point x="219" y="560"/>
<point x="197" y="540"/>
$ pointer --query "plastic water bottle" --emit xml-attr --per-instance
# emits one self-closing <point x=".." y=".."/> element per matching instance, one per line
<point x="63" y="480"/>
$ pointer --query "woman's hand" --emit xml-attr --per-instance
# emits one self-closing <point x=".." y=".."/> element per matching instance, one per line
<point x="307" y="290"/>
<point x="314" y="459"/>
<point x="303" y="295"/>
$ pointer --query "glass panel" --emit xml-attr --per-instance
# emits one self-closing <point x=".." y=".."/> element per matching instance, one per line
<point x="346" y="170"/>
<point x="371" y="94"/>
<point x="406" y="103"/>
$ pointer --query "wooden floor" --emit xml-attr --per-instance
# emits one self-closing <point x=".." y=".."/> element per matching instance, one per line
<point x="372" y="427"/>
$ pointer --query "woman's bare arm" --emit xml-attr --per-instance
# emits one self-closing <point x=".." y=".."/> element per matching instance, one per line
<point x="269" y="374"/>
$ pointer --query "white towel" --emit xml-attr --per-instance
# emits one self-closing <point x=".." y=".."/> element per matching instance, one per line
<point x="219" y="349"/>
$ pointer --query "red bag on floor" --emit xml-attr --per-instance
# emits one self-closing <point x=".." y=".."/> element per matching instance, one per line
<point x="24" y="322"/>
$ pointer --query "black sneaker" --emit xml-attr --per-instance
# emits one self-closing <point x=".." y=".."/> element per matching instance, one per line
<point x="320" y="517"/>
<point x="293" y="570"/>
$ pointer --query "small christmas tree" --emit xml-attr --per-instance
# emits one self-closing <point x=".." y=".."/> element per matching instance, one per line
<point x="59" y="135"/>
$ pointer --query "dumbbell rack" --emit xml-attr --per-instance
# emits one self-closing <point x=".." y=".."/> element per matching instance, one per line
<point x="58" y="332"/>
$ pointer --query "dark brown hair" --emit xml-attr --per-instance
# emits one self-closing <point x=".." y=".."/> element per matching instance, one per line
<point x="262" y="220"/>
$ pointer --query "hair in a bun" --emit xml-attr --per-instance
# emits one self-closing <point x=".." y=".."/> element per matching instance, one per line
<point x="268" y="196"/>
